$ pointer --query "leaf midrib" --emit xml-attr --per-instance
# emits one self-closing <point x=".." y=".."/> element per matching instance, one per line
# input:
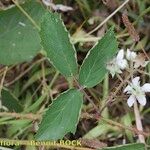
<point x="93" y="64"/>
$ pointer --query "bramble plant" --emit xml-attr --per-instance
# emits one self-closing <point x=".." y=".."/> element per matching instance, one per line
<point x="45" y="32"/>
<point x="62" y="55"/>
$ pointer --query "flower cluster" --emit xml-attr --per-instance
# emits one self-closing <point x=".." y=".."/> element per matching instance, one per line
<point x="120" y="63"/>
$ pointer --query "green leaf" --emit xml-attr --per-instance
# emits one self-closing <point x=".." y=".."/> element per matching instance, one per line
<point x="19" y="39"/>
<point x="136" y="146"/>
<point x="127" y="121"/>
<point x="61" y="117"/>
<point x="100" y="129"/>
<point x="10" y="101"/>
<point x="19" y="125"/>
<point x="56" y="42"/>
<point x="93" y="68"/>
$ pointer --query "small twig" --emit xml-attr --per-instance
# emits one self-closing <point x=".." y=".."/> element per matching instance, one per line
<point x="137" y="131"/>
<point x="90" y="100"/>
<point x="43" y="75"/>
<point x="29" y="116"/>
<point x="23" y="73"/>
<point x="85" y="94"/>
<point x="2" y="80"/>
<point x="110" y="98"/>
<point x="33" y="117"/>
<point x="1" y="86"/>
<point x="51" y="84"/>
<point x="110" y="16"/>
<point x="114" y="123"/>
<point x="143" y="72"/>
<point x="120" y="78"/>
<point x="53" y="80"/>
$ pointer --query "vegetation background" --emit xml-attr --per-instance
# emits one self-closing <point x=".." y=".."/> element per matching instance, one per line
<point x="28" y="87"/>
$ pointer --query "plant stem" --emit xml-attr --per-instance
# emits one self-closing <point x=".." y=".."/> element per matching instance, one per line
<point x="138" y="122"/>
<point x="70" y="82"/>
<point x="23" y="73"/>
<point x="105" y="95"/>
<point x="86" y="95"/>
<point x="111" y="96"/>
<point x="52" y="82"/>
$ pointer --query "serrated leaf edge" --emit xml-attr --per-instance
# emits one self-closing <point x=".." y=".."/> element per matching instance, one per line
<point x="69" y="37"/>
<point x="111" y="29"/>
<point x="78" y="113"/>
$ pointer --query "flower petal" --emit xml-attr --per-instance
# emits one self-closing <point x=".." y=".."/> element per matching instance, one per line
<point x="133" y="55"/>
<point x="141" y="99"/>
<point x="136" y="81"/>
<point x="120" y="54"/>
<point x="131" y="100"/>
<point x="122" y="63"/>
<point x="130" y="55"/>
<point x="127" y="89"/>
<point x="146" y="87"/>
<point x="112" y="73"/>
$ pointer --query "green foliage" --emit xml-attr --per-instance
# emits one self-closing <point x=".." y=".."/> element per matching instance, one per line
<point x="93" y="68"/>
<point x="56" y="42"/>
<point x="19" y="39"/>
<point x="17" y="125"/>
<point x="10" y="101"/>
<point x="127" y="120"/>
<point x="138" y="146"/>
<point x="61" y="117"/>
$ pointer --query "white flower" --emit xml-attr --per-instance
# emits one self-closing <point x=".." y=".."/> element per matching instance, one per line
<point x="130" y="55"/>
<point x="117" y="64"/>
<point x="113" y="67"/>
<point x="137" y="92"/>
<point x="121" y="62"/>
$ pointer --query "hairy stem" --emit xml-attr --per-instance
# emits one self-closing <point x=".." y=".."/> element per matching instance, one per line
<point x="105" y="95"/>
<point x="138" y="123"/>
